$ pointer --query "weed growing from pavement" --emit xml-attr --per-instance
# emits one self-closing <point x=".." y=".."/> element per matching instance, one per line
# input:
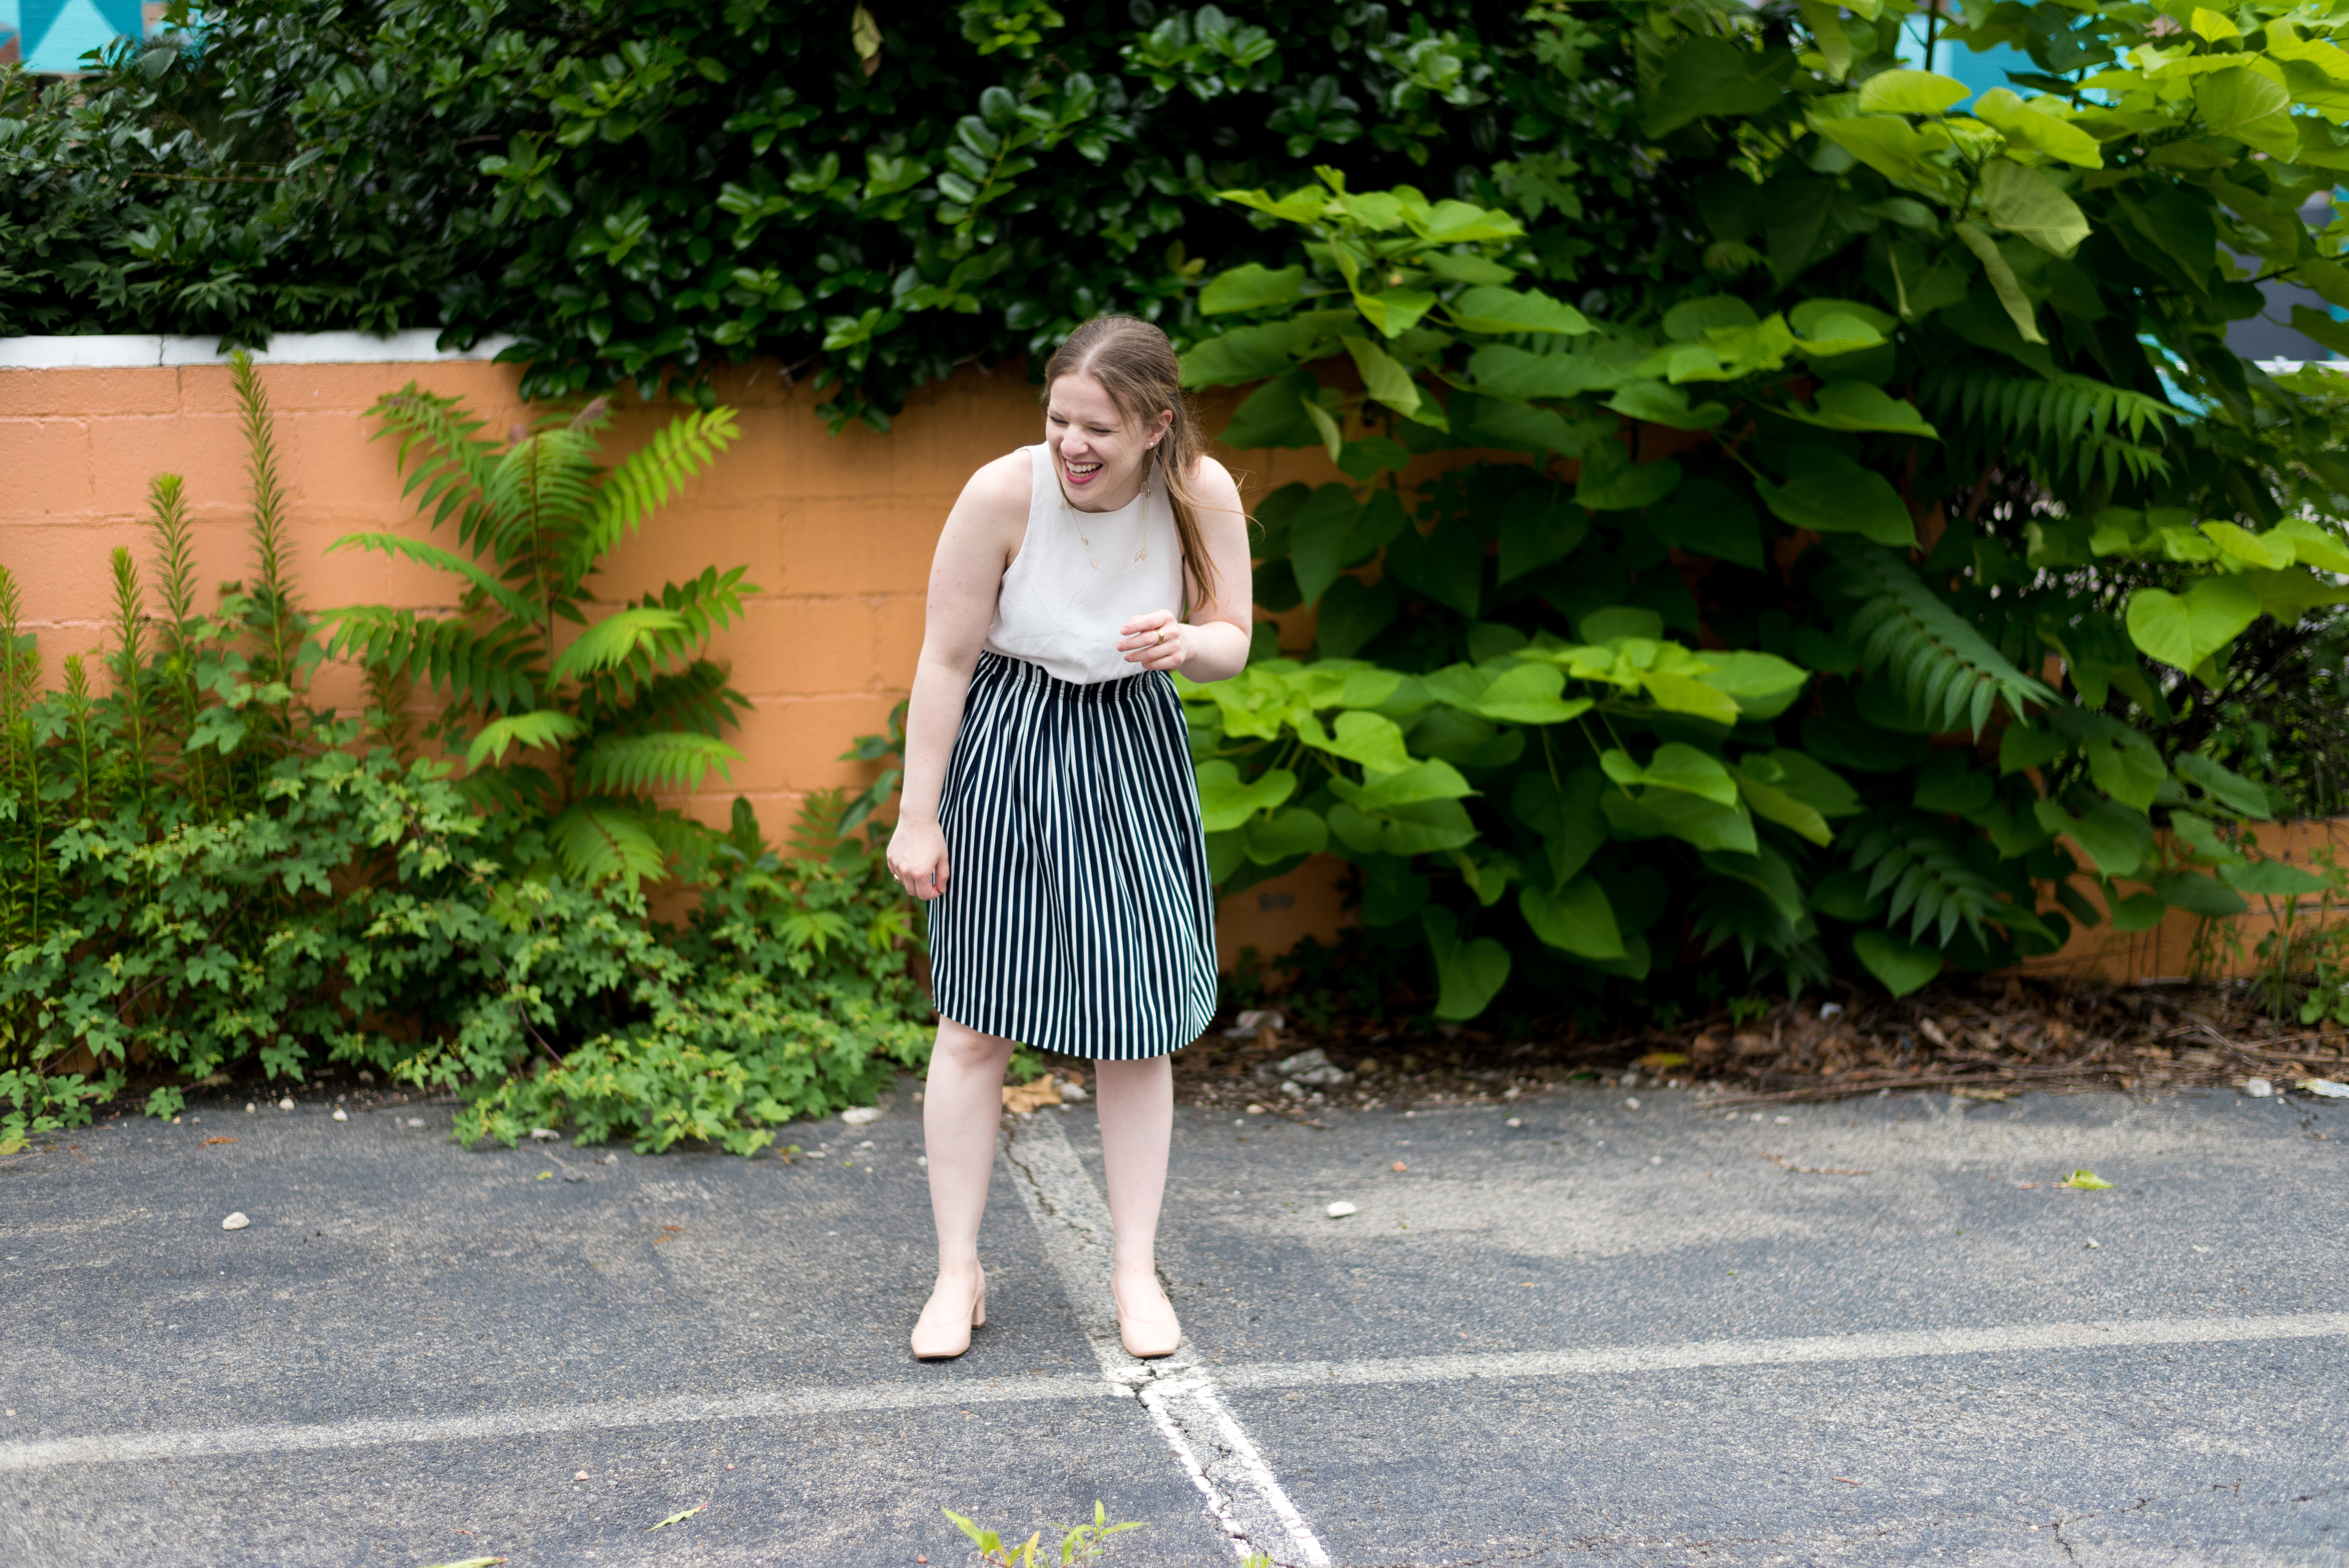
<point x="1079" y="1542"/>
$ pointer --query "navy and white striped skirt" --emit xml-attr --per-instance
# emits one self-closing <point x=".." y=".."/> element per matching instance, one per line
<point x="1078" y="916"/>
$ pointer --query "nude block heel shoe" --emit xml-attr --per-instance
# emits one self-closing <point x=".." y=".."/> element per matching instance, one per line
<point x="1151" y="1332"/>
<point x="944" y="1331"/>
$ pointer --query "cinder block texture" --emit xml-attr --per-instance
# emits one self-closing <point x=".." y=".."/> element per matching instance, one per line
<point x="836" y="531"/>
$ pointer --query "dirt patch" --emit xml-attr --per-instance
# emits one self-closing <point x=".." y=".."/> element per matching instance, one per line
<point x="1985" y="1038"/>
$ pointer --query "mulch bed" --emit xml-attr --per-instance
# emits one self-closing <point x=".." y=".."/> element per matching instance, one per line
<point x="1985" y="1038"/>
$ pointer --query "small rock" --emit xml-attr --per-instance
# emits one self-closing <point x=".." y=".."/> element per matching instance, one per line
<point x="365" y="1077"/>
<point x="1399" y="1167"/>
<point x="1339" y="1209"/>
<point x="250" y="1108"/>
<point x="2258" y="1088"/>
<point x="1313" y="1066"/>
<point x="1255" y="1111"/>
<point x="860" y="1115"/>
<point x="611" y="1160"/>
<point x="866" y="1144"/>
<point x="236" y="1222"/>
<point x="1514" y="1121"/>
<point x="545" y="1134"/>
<point x="574" y="1175"/>
<point x="1073" y="1091"/>
<point x="1830" y="1009"/>
<point x="1629" y="1080"/>
<point x="2092" y="1246"/>
<point x="415" y="1122"/>
<point x="341" y="1115"/>
<point x="2327" y="1088"/>
<point x="285" y="1104"/>
<point x="1255" y="1018"/>
<point x="1293" y="1089"/>
<point x="580" y="1476"/>
<point x="1631" y="1104"/>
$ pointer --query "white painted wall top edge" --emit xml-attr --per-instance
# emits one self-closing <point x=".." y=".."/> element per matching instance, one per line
<point x="125" y="352"/>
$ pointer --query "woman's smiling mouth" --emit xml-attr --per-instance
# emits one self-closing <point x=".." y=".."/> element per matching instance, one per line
<point x="1080" y="473"/>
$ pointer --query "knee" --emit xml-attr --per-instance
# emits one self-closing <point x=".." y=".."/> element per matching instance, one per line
<point x="967" y="1050"/>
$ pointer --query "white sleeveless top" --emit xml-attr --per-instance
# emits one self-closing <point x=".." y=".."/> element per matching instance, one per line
<point x="1057" y="607"/>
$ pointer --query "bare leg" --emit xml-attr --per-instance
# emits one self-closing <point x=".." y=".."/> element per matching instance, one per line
<point x="962" y="1107"/>
<point x="1137" y="1123"/>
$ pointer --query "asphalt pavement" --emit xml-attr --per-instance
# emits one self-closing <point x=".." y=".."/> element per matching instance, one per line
<point x="1636" y="1328"/>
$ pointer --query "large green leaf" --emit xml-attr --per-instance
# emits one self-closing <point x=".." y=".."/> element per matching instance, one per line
<point x="1241" y="354"/>
<point x="1430" y="827"/>
<point x="1252" y="287"/>
<point x="2025" y="201"/>
<point x="2002" y="280"/>
<point x="1862" y="405"/>
<point x="1319" y="539"/>
<point x="1660" y="813"/>
<point x="1539" y="525"/>
<point x="2198" y="894"/>
<point x="1432" y="779"/>
<point x="1469" y="974"/>
<point x="1274" y="414"/>
<point x="2184" y="630"/>
<point x="1384" y="377"/>
<point x="2241" y="103"/>
<point x="2116" y="839"/>
<point x="1529" y="694"/>
<point x="1674" y="766"/>
<point x="1703" y="517"/>
<point x="1830" y="493"/>
<point x="1611" y="481"/>
<point x="1910" y="92"/>
<point x="1285" y="835"/>
<point x="2041" y="132"/>
<point x="1568" y="819"/>
<point x="1763" y="685"/>
<point x="1350" y="614"/>
<point x="1899" y="966"/>
<point x="1500" y="311"/>
<point x="1225" y="802"/>
<point x="1577" y="919"/>
<point x="1447" y="565"/>
<point x="1710" y="75"/>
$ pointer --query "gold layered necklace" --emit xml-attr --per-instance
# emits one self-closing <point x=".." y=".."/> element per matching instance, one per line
<point x="1140" y="555"/>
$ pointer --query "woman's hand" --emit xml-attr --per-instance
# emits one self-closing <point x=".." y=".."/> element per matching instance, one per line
<point x="1155" y="641"/>
<point x="918" y="857"/>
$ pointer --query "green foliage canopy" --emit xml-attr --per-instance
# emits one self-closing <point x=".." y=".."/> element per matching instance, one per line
<point x="1917" y="505"/>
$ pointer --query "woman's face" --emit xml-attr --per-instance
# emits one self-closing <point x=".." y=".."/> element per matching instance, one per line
<point x="1098" y="452"/>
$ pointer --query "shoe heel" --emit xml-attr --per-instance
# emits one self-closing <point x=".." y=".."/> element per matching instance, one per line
<point x="979" y="1304"/>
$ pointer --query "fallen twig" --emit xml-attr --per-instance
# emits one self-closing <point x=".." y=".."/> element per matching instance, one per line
<point x="1814" y="1169"/>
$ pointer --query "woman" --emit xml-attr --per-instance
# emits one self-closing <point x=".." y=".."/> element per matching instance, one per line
<point x="1049" y="816"/>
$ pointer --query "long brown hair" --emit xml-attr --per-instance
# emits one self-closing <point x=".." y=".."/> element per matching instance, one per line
<point x="1134" y="363"/>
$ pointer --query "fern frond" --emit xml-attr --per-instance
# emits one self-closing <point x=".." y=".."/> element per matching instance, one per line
<point x="544" y="495"/>
<point x="633" y="764"/>
<point x="440" y="560"/>
<point x="497" y="670"/>
<point x="461" y="467"/>
<point x="531" y="731"/>
<point x="696" y="698"/>
<point x="610" y="641"/>
<point x="1931" y="878"/>
<point x="706" y="606"/>
<point x="1945" y="668"/>
<point x="597" y="839"/>
<point x="2062" y="428"/>
<point x="651" y="476"/>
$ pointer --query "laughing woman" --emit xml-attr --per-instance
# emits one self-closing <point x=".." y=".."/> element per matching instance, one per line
<point x="1049" y="816"/>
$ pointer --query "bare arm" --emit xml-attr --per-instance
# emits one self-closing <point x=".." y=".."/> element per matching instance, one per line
<point x="1213" y="644"/>
<point x="982" y="533"/>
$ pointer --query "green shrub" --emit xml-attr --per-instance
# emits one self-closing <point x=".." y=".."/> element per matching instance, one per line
<point x="1916" y="509"/>
<point x="201" y="872"/>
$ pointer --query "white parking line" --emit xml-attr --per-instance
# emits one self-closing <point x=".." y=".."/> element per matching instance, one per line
<point x="1244" y="1496"/>
<point x="127" y="1447"/>
<point x="1898" y="1346"/>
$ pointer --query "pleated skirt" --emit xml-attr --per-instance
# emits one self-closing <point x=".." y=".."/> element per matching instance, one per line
<point x="1078" y="915"/>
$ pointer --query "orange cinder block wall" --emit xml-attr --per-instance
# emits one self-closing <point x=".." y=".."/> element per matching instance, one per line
<point x="837" y="532"/>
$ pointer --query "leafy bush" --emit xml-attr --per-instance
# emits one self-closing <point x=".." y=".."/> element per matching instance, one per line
<point x="1864" y="568"/>
<point x="668" y="185"/>
<point x="201" y="874"/>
